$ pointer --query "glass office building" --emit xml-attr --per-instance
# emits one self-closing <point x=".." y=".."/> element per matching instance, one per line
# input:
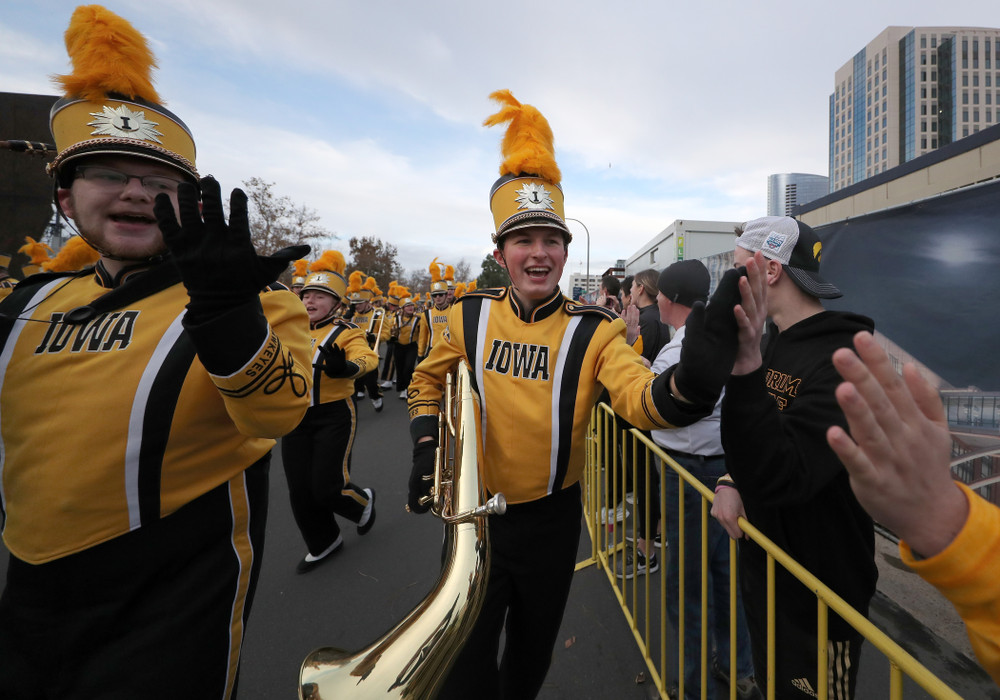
<point x="909" y="91"/>
<point x="785" y="191"/>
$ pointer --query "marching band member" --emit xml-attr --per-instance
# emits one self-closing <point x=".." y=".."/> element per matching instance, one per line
<point x="411" y="340"/>
<point x="436" y="316"/>
<point x="140" y="401"/>
<point x="539" y="362"/>
<point x="300" y="268"/>
<point x="317" y="454"/>
<point x="449" y="278"/>
<point x="368" y="319"/>
<point x="392" y="317"/>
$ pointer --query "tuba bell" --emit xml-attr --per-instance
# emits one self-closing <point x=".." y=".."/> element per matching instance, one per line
<point x="412" y="659"/>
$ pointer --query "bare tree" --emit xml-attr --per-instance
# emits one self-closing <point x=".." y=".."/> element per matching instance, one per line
<point x="277" y="222"/>
<point x="377" y="258"/>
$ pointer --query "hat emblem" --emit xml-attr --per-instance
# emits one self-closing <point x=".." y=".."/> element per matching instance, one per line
<point x="817" y="250"/>
<point x="533" y="195"/>
<point x="774" y="240"/>
<point x="125" y="123"/>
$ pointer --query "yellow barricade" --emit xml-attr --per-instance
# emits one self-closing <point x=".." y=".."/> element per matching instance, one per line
<point x="605" y="488"/>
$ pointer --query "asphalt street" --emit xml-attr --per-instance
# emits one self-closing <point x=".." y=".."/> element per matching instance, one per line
<point x="375" y="580"/>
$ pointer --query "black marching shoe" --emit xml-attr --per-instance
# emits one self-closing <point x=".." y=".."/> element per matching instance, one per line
<point x="368" y="517"/>
<point x="310" y="562"/>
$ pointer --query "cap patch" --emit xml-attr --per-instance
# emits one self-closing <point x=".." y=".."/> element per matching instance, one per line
<point x="123" y="122"/>
<point x="775" y="240"/>
<point x="534" y="196"/>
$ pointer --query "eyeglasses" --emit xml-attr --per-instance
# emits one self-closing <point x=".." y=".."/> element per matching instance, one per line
<point x="438" y="294"/>
<point x="111" y="179"/>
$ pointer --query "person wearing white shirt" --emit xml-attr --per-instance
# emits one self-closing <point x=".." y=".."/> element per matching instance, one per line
<point x="698" y="449"/>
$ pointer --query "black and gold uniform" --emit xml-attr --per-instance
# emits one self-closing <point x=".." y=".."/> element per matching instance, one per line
<point x="436" y="322"/>
<point x="538" y="364"/>
<point x="371" y="321"/>
<point x="410" y="336"/>
<point x="139" y="402"/>
<point x="316" y="455"/>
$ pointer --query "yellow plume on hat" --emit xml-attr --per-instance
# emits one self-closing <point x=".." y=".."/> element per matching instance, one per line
<point x="330" y="261"/>
<point x="460" y="290"/>
<point x="471" y="287"/>
<point x="449" y="274"/>
<point x="75" y="254"/>
<point x="435" y="270"/>
<point x="354" y="282"/>
<point x="300" y="268"/>
<point x="109" y="56"/>
<point x="528" y="147"/>
<point x="38" y="252"/>
<point x="372" y="285"/>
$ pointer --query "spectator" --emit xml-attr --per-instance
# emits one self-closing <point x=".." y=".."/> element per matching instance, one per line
<point x="698" y="449"/>
<point x="778" y="404"/>
<point x="607" y="296"/>
<point x="899" y="462"/>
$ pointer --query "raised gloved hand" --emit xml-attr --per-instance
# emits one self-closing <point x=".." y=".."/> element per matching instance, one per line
<point x="423" y="466"/>
<point x="370" y="337"/>
<point x="218" y="264"/>
<point x="333" y="361"/>
<point x="710" y="343"/>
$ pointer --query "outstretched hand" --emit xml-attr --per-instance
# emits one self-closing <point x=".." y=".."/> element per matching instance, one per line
<point x="216" y="258"/>
<point x="899" y="451"/>
<point x="751" y="315"/>
<point x="710" y="343"/>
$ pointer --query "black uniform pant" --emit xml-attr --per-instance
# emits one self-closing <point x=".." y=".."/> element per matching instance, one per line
<point x="368" y="383"/>
<point x="533" y="556"/>
<point x="389" y="362"/>
<point x="158" y="612"/>
<point x="316" y="457"/>
<point x="406" y="360"/>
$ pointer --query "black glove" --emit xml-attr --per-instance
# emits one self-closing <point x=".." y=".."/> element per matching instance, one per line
<point x="710" y="343"/>
<point x="333" y="361"/>
<point x="217" y="261"/>
<point x="423" y="465"/>
<point x="371" y="339"/>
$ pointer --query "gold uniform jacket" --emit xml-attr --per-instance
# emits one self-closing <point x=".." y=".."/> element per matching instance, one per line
<point x="112" y="423"/>
<point x="412" y="330"/>
<point x="538" y="376"/>
<point x="336" y="331"/>
<point x="436" y="320"/>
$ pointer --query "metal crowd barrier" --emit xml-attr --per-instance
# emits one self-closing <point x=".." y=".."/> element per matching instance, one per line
<point x="605" y="500"/>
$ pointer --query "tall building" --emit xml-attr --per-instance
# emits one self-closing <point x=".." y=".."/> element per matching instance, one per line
<point x="785" y="191"/>
<point x="908" y="92"/>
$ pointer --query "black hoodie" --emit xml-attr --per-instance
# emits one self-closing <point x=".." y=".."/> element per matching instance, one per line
<point x="794" y="488"/>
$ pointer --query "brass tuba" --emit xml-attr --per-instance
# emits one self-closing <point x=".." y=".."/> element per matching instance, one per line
<point x="412" y="659"/>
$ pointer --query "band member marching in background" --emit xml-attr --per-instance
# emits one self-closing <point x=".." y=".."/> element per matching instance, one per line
<point x="300" y="268"/>
<point x="539" y="362"/>
<point x="317" y="454"/>
<point x="436" y="316"/>
<point x="410" y="334"/>
<point x="392" y="316"/>
<point x="371" y="321"/>
<point x="140" y="401"/>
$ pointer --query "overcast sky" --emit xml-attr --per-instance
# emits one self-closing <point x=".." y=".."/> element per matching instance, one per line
<point x="371" y="112"/>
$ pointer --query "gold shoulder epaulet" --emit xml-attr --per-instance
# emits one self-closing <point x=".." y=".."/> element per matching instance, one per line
<point x="345" y="323"/>
<point x="573" y="307"/>
<point x="488" y="293"/>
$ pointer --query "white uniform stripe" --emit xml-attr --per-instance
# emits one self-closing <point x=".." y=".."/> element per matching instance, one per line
<point x="133" y="445"/>
<point x="8" y="352"/>
<point x="556" y="395"/>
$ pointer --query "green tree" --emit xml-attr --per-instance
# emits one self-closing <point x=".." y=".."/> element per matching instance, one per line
<point x="277" y="222"/>
<point x="493" y="275"/>
<point x="377" y="258"/>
